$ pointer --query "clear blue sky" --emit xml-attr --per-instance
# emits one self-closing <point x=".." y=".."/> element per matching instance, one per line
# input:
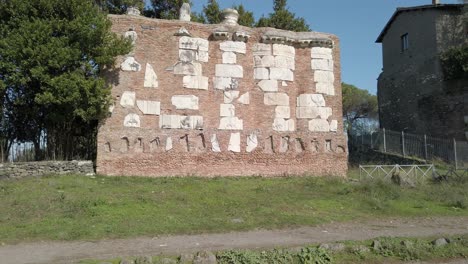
<point x="356" y="22"/>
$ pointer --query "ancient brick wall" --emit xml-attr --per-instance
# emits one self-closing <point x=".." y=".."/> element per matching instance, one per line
<point x="209" y="100"/>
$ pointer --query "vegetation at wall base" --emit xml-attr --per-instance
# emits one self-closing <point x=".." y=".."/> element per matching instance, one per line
<point x="74" y="207"/>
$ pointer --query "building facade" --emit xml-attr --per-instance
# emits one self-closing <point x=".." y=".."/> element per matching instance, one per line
<point x="413" y="93"/>
<point x="223" y="100"/>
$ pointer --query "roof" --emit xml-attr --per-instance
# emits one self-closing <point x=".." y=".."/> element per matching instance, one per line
<point x="400" y="10"/>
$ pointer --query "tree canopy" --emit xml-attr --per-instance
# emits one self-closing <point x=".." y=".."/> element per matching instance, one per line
<point x="282" y="18"/>
<point x="358" y="104"/>
<point x="52" y="54"/>
<point x="119" y="6"/>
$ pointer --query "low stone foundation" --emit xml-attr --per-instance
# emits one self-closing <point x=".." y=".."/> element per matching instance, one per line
<point x="19" y="170"/>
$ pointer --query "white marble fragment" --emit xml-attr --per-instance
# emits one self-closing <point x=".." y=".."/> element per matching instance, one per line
<point x="334" y="125"/>
<point x="149" y="107"/>
<point x="234" y="142"/>
<point x="111" y="108"/>
<point x="182" y="102"/>
<point x="193" y="43"/>
<point x="230" y="96"/>
<point x="322" y="64"/>
<point x="268" y="85"/>
<point x="222" y="83"/>
<point x="229" y="70"/>
<point x="130" y="64"/>
<point x="187" y="55"/>
<point x="195" y="82"/>
<point x="169" y="121"/>
<point x="128" y="99"/>
<point x="227" y="110"/>
<point x="261" y="74"/>
<point x="309" y="112"/>
<point x="283" y="112"/>
<point x="168" y="143"/>
<point x="231" y="123"/>
<point x="132" y="120"/>
<point x="324" y="76"/>
<point x="132" y="35"/>
<point x="321" y="53"/>
<point x="188" y="68"/>
<point x="185" y="12"/>
<point x="284" y="84"/>
<point x="215" y="143"/>
<point x="284" y="50"/>
<point x="285" y="62"/>
<point x="283" y="125"/>
<point x="244" y="99"/>
<point x="281" y="74"/>
<point x="310" y="100"/>
<point x="284" y="145"/>
<point x="260" y="49"/>
<point x="203" y="56"/>
<point x="229" y="57"/>
<point x="276" y="99"/>
<point x="191" y="122"/>
<point x="252" y="142"/>
<point x="233" y="46"/>
<point x="264" y="61"/>
<point x="151" y="79"/>
<point x="325" y="88"/>
<point x="319" y="125"/>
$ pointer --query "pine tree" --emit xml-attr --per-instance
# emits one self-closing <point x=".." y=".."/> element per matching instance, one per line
<point x="282" y="18"/>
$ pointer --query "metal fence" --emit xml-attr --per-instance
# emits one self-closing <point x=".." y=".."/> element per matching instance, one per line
<point x="411" y="145"/>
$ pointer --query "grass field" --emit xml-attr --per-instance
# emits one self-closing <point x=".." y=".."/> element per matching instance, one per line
<point x="77" y="207"/>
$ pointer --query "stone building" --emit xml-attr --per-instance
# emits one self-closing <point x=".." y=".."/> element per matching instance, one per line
<point x="209" y="100"/>
<point x="413" y="94"/>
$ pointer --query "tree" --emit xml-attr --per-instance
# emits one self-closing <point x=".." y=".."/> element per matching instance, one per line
<point x="52" y="54"/>
<point x="214" y="14"/>
<point x="358" y="104"/>
<point x="246" y="18"/>
<point x="282" y="18"/>
<point x="455" y="62"/>
<point x="119" y="6"/>
<point x="165" y="9"/>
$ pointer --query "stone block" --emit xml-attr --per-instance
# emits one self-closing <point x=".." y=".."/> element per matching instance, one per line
<point x="233" y="46"/>
<point x="191" y="122"/>
<point x="260" y="49"/>
<point x="234" y="142"/>
<point x="284" y="84"/>
<point x="222" y="83"/>
<point x="132" y="35"/>
<point x="281" y="74"/>
<point x="149" y="107"/>
<point x="187" y="55"/>
<point x="195" y="82"/>
<point x="230" y="96"/>
<point x="231" y="123"/>
<point x="203" y="56"/>
<point x="168" y="143"/>
<point x="132" y="120"/>
<point x="130" y="64"/>
<point x="319" y="125"/>
<point x="283" y="112"/>
<point x="321" y="53"/>
<point x="244" y="99"/>
<point x="334" y="125"/>
<point x="151" y="79"/>
<point x="229" y="57"/>
<point x="276" y="99"/>
<point x="283" y="125"/>
<point x="261" y="74"/>
<point x="310" y="100"/>
<point x="284" y="50"/>
<point x="324" y="76"/>
<point x="183" y="102"/>
<point x="128" y="99"/>
<point x="215" y="143"/>
<point x="228" y="110"/>
<point x="325" y="88"/>
<point x="188" y="68"/>
<point x="309" y="112"/>
<point x="169" y="121"/>
<point x="264" y="61"/>
<point x="193" y="43"/>
<point x="252" y="142"/>
<point x="228" y="70"/>
<point x="322" y="64"/>
<point x="268" y="85"/>
<point x="285" y="62"/>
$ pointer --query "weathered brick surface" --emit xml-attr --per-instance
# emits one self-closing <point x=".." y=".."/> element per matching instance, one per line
<point x="192" y="151"/>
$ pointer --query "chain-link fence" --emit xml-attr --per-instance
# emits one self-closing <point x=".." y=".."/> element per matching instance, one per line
<point x="412" y="145"/>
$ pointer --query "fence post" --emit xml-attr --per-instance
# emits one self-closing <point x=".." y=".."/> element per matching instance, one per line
<point x="455" y="153"/>
<point x="384" y="142"/>
<point x="403" y="143"/>
<point x="425" y="148"/>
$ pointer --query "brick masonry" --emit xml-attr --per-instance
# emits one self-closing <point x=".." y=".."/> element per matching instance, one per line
<point x="17" y="170"/>
<point x="273" y="140"/>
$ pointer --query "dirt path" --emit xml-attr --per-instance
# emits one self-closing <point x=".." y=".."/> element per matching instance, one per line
<point x="71" y="252"/>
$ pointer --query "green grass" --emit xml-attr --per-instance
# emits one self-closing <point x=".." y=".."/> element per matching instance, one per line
<point x="74" y="207"/>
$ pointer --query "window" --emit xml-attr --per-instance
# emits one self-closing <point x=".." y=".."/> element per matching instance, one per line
<point x="404" y="42"/>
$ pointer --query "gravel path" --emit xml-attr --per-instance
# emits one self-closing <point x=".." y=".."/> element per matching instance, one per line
<point x="72" y="252"/>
